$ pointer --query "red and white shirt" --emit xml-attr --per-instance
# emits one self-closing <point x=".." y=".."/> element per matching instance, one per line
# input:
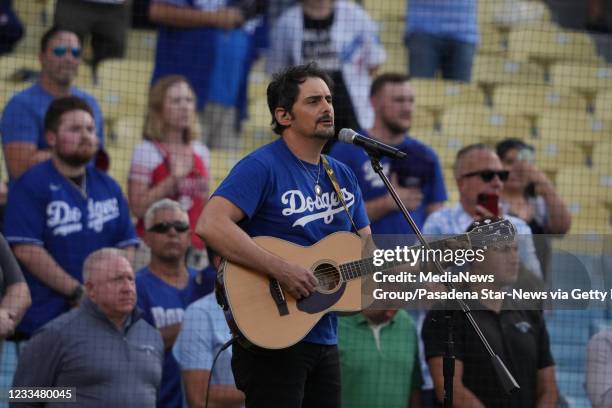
<point x="151" y="165"/>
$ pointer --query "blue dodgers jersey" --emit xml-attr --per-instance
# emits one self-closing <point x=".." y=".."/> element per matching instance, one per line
<point x="431" y="181"/>
<point x="276" y="192"/>
<point x="45" y="208"/>
<point x="164" y="305"/>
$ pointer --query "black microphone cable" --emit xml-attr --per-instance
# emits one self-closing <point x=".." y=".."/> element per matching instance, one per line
<point x="223" y="347"/>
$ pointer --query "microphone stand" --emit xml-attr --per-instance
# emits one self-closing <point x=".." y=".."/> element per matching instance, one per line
<point x="448" y="369"/>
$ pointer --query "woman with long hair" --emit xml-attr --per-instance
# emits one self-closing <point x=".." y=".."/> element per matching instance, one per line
<point x="170" y="162"/>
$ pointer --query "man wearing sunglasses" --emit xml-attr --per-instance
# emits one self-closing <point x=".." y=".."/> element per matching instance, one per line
<point x="167" y="286"/>
<point x="21" y="126"/>
<point x="478" y="172"/>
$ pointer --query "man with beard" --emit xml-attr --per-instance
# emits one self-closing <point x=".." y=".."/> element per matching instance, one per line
<point x="60" y="211"/>
<point x="418" y="178"/>
<point x="167" y="286"/>
<point x="103" y="349"/>
<point x="282" y="190"/>
<point x="22" y="127"/>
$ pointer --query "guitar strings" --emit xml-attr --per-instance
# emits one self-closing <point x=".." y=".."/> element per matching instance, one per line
<point x="332" y="271"/>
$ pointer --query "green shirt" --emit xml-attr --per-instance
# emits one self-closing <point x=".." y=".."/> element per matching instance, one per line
<point x="382" y="378"/>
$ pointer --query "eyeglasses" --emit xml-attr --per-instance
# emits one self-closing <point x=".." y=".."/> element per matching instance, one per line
<point x="488" y="175"/>
<point x="61" y="50"/>
<point x="164" y="227"/>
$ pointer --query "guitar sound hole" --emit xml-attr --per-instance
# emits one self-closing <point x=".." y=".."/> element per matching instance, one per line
<point x="328" y="276"/>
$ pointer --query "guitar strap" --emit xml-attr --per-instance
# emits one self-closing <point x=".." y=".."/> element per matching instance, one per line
<point x="332" y="178"/>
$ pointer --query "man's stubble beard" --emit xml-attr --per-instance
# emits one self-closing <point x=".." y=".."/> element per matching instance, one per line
<point x="326" y="135"/>
<point x="76" y="159"/>
<point x="395" y="128"/>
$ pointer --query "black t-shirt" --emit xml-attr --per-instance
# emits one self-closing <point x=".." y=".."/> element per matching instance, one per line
<point x="518" y="337"/>
<point x="317" y="44"/>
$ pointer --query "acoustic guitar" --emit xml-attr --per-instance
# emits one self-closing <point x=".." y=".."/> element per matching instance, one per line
<point x="271" y="318"/>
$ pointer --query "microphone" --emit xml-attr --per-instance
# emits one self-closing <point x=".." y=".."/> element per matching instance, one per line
<point x="371" y="145"/>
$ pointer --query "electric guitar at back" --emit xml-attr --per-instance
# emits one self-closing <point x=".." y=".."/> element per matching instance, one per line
<point x="271" y="318"/>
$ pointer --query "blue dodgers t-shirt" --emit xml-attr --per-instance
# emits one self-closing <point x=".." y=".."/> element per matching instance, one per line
<point x="431" y="181"/>
<point x="277" y="195"/>
<point x="23" y="117"/>
<point x="164" y="305"/>
<point x="45" y="208"/>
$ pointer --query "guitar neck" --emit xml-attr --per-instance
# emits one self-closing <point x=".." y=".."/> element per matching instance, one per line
<point x="364" y="267"/>
<point x="483" y="234"/>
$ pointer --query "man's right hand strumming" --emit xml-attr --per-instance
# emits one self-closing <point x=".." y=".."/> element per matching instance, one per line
<point x="295" y="279"/>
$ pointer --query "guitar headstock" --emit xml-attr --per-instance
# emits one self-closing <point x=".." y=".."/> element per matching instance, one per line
<point x="488" y="232"/>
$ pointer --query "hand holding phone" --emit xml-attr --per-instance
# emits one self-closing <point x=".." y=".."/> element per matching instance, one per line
<point x="489" y="202"/>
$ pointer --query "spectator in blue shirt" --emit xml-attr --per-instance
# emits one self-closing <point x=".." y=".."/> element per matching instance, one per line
<point x="23" y="135"/>
<point x="418" y="178"/>
<point x="167" y="286"/>
<point x="442" y="35"/>
<point x="60" y="211"/>
<point x="203" y="333"/>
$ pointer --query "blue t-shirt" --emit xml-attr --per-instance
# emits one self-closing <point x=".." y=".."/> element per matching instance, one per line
<point x="277" y="196"/>
<point x="45" y="208"/>
<point x="454" y="19"/>
<point x="23" y="117"/>
<point x="164" y="305"/>
<point x="431" y="181"/>
<point x="203" y="333"/>
<point x="205" y="281"/>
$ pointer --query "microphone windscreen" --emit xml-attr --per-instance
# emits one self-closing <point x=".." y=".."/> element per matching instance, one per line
<point x="346" y="135"/>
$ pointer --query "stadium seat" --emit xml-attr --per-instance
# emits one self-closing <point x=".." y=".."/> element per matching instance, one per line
<point x="10" y="64"/>
<point x="116" y="72"/>
<point x="422" y="121"/>
<point x="602" y="157"/>
<point x="436" y="94"/>
<point x="506" y="14"/>
<point x="586" y="200"/>
<point x="391" y="33"/>
<point x="492" y="41"/>
<point x="603" y="105"/>
<point x="483" y="124"/>
<point x="141" y="45"/>
<point x="578" y="127"/>
<point x="489" y="71"/>
<point x="128" y="130"/>
<point x="551" y="44"/>
<point x="579" y="184"/>
<point x="120" y="158"/>
<point x="387" y="10"/>
<point x="552" y="155"/>
<point x="534" y="100"/>
<point x="604" y="183"/>
<point x="116" y="102"/>
<point x="586" y="78"/>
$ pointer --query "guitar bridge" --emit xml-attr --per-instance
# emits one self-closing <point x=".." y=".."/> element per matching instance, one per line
<point x="279" y="297"/>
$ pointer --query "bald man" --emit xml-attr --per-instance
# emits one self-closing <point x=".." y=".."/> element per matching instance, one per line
<point x="103" y="348"/>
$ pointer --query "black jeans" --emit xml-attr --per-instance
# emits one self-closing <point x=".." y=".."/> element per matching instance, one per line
<point x="305" y="375"/>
